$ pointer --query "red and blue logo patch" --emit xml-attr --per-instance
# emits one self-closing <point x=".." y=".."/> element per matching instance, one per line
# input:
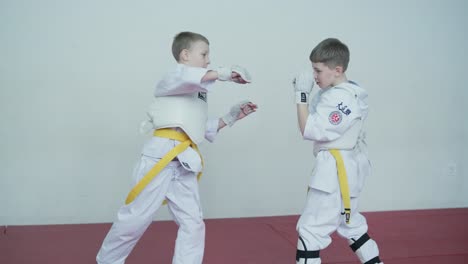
<point x="335" y="117"/>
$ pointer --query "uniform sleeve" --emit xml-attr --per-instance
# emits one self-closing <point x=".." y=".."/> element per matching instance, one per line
<point x="332" y="116"/>
<point x="183" y="80"/>
<point x="211" y="129"/>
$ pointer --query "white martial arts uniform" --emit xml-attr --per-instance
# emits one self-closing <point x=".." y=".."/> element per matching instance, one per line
<point x="176" y="184"/>
<point x="332" y="113"/>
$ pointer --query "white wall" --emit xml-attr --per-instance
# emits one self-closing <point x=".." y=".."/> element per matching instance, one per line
<point x="76" y="78"/>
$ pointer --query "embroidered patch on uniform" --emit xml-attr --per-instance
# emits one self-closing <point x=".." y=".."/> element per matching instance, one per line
<point x="335" y="117"/>
<point x="344" y="109"/>
<point x="202" y="95"/>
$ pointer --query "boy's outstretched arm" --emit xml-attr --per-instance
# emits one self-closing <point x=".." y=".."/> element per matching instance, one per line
<point x="210" y="76"/>
<point x="237" y="112"/>
<point x="186" y="80"/>
<point x="235" y="74"/>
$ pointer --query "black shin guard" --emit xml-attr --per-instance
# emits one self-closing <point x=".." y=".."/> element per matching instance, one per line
<point x="305" y="254"/>
<point x="375" y="260"/>
<point x="358" y="244"/>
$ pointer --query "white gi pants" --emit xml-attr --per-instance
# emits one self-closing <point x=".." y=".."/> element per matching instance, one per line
<point x="180" y="188"/>
<point x="322" y="216"/>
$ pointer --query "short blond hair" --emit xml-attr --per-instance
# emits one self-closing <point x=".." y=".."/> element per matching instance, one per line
<point x="332" y="53"/>
<point x="184" y="40"/>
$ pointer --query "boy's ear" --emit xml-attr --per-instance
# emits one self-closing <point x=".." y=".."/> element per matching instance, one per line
<point x="184" y="54"/>
<point x="339" y="69"/>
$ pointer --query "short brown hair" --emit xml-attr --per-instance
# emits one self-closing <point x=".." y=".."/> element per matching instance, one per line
<point x="332" y="53"/>
<point x="184" y="40"/>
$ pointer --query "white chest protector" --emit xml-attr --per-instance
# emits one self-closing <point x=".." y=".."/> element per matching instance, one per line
<point x="188" y="112"/>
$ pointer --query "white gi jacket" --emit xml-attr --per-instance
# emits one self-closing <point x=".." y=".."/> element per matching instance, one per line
<point x="332" y="112"/>
<point x="182" y="80"/>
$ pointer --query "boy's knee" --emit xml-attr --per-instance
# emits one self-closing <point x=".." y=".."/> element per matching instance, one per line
<point x="200" y="226"/>
<point x="196" y="227"/>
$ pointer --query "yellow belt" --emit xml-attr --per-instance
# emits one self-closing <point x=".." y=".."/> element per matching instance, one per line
<point x="164" y="133"/>
<point x="343" y="179"/>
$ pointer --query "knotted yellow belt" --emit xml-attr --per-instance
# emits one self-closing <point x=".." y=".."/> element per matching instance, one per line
<point x="164" y="133"/>
<point x="343" y="180"/>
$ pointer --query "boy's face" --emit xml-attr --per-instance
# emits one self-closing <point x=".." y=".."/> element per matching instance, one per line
<point x="324" y="76"/>
<point x="198" y="55"/>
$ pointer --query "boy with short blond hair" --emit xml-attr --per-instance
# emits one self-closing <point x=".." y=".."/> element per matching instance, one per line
<point x="333" y="121"/>
<point x="170" y="163"/>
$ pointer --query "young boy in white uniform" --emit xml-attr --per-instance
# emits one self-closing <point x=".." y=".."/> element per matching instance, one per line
<point x="170" y="163"/>
<point x="333" y="121"/>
